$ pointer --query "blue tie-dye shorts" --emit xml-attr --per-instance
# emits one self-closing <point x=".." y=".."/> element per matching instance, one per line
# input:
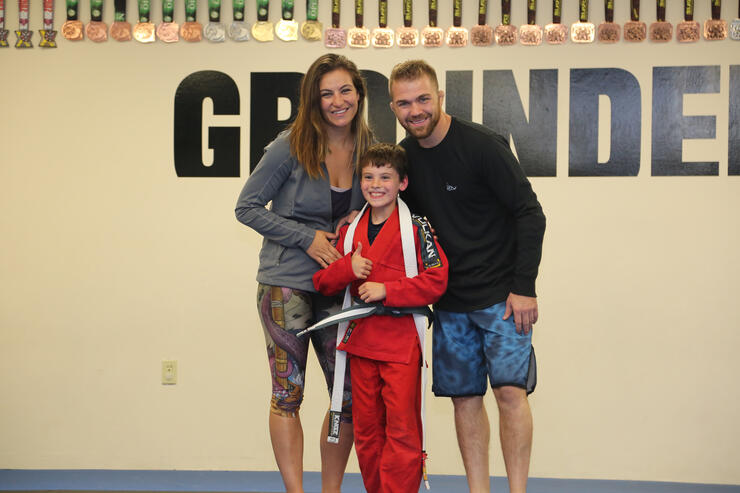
<point x="470" y="346"/>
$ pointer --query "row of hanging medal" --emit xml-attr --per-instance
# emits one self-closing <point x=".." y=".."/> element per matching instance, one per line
<point x="287" y="29"/>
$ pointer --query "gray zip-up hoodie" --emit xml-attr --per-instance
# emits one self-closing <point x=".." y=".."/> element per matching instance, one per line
<point x="300" y="206"/>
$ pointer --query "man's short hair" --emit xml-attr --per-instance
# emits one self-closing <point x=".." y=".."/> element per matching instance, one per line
<point x="382" y="154"/>
<point x="412" y="70"/>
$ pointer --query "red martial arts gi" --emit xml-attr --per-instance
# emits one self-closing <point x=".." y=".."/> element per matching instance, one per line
<point x="385" y="356"/>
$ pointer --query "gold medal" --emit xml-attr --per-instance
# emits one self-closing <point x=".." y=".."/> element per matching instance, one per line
<point x="168" y="32"/>
<point x="144" y="32"/>
<point x="262" y="31"/>
<point x="97" y="31"/>
<point x="311" y="30"/>
<point x="287" y="30"/>
<point x="72" y="30"/>
<point x="191" y="31"/>
<point x="120" y="31"/>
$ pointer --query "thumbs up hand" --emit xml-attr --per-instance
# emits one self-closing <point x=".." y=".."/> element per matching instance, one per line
<point x="361" y="266"/>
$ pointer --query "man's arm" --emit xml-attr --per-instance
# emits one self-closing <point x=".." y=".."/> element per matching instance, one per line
<point x="513" y="189"/>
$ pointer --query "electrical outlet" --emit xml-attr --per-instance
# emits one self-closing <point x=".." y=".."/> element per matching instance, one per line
<point x="169" y="372"/>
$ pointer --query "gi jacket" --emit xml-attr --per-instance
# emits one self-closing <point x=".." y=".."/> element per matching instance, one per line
<point x="384" y="337"/>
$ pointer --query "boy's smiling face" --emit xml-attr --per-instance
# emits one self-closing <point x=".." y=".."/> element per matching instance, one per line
<point x="380" y="187"/>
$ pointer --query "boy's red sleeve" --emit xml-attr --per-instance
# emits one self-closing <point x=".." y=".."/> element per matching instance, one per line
<point x="431" y="283"/>
<point x="338" y="274"/>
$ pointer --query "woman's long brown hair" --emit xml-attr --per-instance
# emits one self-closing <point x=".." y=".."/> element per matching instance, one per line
<point x="308" y="139"/>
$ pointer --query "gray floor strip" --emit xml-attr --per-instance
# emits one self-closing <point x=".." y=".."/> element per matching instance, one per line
<point x="100" y="481"/>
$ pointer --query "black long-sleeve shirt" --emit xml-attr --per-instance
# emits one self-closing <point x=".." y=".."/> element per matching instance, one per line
<point x="484" y="211"/>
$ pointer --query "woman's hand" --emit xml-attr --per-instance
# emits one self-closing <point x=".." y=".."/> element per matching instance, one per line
<point x="321" y="249"/>
<point x="346" y="220"/>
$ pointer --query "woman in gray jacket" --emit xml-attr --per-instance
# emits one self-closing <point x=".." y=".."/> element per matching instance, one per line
<point x="308" y="172"/>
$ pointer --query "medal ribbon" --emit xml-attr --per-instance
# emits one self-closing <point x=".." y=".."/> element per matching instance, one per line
<point x="688" y="11"/>
<point x="237" y="8"/>
<point x="263" y="10"/>
<point x="168" y="10"/>
<point x="482" y="10"/>
<point x="96" y="10"/>
<point x="383" y="13"/>
<point x="120" y="8"/>
<point x="557" y="11"/>
<point x="505" y="12"/>
<point x="609" y="10"/>
<point x="635" y="11"/>
<point x="532" y="12"/>
<point x="214" y="10"/>
<point x="3" y="32"/>
<point x="191" y="10"/>
<point x="48" y="15"/>
<point x="72" y="7"/>
<point x="660" y="17"/>
<point x="335" y="10"/>
<point x="716" y="9"/>
<point x="288" y="10"/>
<point x="408" y="12"/>
<point x="312" y="10"/>
<point x="457" y="13"/>
<point x="433" y="13"/>
<point x="144" y="8"/>
<point x="23" y="15"/>
<point x="583" y="11"/>
<point x="359" y="13"/>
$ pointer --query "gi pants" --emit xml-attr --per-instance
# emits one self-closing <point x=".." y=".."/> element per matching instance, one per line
<point x="386" y="403"/>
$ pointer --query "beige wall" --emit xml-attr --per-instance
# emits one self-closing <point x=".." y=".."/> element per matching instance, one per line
<point x="111" y="263"/>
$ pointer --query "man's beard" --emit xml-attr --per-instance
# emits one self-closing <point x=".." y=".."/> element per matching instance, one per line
<point x="423" y="133"/>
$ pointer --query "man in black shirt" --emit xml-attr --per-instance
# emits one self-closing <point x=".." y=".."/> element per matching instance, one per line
<point x="465" y="179"/>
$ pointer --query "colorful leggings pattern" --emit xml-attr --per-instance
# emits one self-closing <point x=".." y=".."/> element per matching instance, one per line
<point x="284" y="312"/>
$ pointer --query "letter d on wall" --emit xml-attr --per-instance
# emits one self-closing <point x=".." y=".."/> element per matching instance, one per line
<point x="224" y="141"/>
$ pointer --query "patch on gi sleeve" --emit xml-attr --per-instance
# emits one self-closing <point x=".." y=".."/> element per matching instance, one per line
<point x="429" y="254"/>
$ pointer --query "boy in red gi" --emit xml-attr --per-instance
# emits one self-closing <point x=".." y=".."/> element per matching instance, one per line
<point x="384" y="351"/>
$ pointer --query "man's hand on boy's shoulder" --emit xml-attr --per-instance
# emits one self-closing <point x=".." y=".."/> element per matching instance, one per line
<point x="361" y="266"/>
<point x="371" y="291"/>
